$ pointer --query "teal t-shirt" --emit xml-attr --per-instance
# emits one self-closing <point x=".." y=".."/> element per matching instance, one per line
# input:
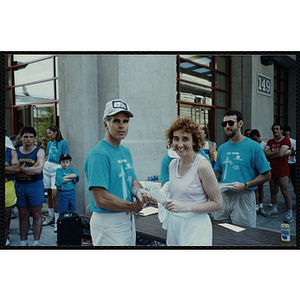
<point x="111" y="168"/>
<point x="241" y="162"/>
<point x="59" y="179"/>
<point x="55" y="150"/>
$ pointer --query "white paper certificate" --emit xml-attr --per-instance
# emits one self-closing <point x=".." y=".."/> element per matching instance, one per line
<point x="157" y="196"/>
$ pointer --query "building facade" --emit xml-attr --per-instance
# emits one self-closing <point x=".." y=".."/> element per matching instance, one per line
<point x="71" y="91"/>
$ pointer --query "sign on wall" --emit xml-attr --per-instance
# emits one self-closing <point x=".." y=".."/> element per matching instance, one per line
<point x="263" y="85"/>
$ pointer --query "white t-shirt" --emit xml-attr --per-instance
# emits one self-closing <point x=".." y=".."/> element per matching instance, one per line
<point x="292" y="158"/>
<point x="263" y="144"/>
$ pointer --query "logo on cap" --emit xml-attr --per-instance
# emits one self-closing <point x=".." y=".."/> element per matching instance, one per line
<point x="119" y="104"/>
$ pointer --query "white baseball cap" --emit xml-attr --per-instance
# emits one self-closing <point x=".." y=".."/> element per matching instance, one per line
<point x="115" y="106"/>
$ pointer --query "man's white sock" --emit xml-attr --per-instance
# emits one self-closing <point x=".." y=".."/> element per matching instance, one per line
<point x="56" y="215"/>
<point x="51" y="212"/>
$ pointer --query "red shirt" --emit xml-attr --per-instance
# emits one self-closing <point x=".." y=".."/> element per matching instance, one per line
<point x="274" y="146"/>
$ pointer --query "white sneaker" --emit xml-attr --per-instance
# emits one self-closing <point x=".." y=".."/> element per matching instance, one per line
<point x="289" y="219"/>
<point x="55" y="227"/>
<point x="48" y="221"/>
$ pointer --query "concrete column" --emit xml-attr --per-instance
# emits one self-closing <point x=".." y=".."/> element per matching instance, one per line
<point x="78" y="107"/>
<point x="148" y="83"/>
<point x="256" y="108"/>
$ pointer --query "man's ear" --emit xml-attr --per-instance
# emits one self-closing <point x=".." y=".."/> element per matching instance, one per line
<point x="241" y="123"/>
<point x="105" y="125"/>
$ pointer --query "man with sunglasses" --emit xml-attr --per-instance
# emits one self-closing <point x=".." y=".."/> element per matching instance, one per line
<point x="242" y="164"/>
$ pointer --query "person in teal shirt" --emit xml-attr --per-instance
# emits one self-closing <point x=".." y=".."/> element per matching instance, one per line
<point x="55" y="148"/>
<point x="112" y="182"/>
<point x="242" y="164"/>
<point x="65" y="181"/>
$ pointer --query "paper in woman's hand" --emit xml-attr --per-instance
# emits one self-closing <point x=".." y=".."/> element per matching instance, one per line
<point x="155" y="194"/>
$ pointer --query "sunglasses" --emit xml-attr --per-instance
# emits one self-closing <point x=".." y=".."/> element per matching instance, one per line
<point x="230" y="123"/>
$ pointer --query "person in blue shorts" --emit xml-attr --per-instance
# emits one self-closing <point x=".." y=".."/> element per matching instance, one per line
<point x="66" y="179"/>
<point x="242" y="163"/>
<point x="29" y="185"/>
<point x="112" y="182"/>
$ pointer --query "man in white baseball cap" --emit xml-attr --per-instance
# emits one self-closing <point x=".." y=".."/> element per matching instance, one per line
<point x="114" y="106"/>
<point x="113" y="183"/>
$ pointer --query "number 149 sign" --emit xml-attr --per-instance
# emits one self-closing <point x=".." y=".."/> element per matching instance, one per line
<point x="263" y="85"/>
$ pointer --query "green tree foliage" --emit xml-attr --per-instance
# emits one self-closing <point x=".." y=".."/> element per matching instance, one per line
<point x="45" y="118"/>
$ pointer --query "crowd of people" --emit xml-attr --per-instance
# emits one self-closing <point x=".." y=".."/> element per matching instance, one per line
<point x="30" y="170"/>
<point x="192" y="172"/>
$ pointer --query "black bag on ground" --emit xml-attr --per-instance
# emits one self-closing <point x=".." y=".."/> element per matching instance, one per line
<point x="69" y="229"/>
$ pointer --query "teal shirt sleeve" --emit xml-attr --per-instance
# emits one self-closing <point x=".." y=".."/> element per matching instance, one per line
<point x="97" y="170"/>
<point x="76" y="179"/>
<point x="59" y="180"/>
<point x="164" y="168"/>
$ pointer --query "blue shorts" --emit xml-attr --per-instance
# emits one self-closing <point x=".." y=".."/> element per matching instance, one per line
<point x="66" y="201"/>
<point x="32" y="194"/>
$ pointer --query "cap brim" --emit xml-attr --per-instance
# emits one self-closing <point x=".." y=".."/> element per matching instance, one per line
<point x="129" y="114"/>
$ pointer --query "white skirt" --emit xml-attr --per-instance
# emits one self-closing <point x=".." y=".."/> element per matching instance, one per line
<point x="188" y="230"/>
<point x="184" y="229"/>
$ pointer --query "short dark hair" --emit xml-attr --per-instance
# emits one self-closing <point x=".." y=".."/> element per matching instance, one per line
<point x="233" y="112"/>
<point x="54" y="128"/>
<point x="286" y="128"/>
<point x="28" y="129"/>
<point x="254" y="132"/>
<point x="276" y="124"/>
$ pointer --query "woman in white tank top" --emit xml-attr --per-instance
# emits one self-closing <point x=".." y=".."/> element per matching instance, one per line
<point x="194" y="190"/>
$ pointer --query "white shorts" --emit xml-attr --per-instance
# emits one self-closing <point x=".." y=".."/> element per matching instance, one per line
<point x="113" y="229"/>
<point x="239" y="208"/>
<point x="193" y="230"/>
<point x="49" y="174"/>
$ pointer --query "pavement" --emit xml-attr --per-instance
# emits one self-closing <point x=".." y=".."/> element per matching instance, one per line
<point x="49" y="237"/>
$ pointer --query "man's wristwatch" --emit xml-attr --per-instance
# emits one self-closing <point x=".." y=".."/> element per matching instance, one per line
<point x="246" y="186"/>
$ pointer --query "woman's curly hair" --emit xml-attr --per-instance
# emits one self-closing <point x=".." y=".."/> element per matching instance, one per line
<point x="188" y="126"/>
